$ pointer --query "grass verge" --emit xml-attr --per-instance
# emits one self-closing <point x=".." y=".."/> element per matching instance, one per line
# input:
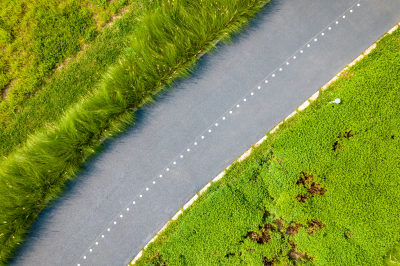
<point x="322" y="189"/>
<point x="164" y="46"/>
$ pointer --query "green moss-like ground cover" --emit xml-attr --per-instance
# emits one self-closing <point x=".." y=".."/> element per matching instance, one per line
<point x="164" y="45"/>
<point x="322" y="190"/>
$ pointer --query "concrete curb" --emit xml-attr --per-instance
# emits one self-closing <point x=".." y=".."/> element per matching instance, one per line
<point x="245" y="155"/>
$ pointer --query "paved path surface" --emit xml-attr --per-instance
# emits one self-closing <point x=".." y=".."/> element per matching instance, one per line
<point x="65" y="233"/>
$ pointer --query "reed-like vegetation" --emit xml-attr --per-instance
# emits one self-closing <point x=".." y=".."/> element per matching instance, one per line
<point x="164" y="46"/>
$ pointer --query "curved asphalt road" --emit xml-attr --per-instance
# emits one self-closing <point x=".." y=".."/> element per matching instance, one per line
<point x="110" y="182"/>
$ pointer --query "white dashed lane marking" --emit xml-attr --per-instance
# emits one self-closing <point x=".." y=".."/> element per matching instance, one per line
<point x="251" y="93"/>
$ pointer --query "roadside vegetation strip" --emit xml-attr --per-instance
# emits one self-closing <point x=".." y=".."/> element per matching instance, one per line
<point x="164" y="46"/>
<point x="321" y="189"/>
<point x="65" y="87"/>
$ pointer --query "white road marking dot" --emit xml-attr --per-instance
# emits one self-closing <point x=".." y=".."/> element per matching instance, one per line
<point x="308" y="45"/>
<point x="202" y="137"/>
<point x="358" y="4"/>
<point x="280" y="69"/>
<point x="301" y="51"/>
<point x="322" y="34"/>
<point x="209" y="131"/>
<point x="175" y="162"/>
<point x="329" y="28"/>
<point x="315" y="40"/>
<point x="244" y="99"/>
<point x="147" y="189"/>
<point x="108" y="229"/>
<point x="121" y="216"/>
<point x="140" y="196"/>
<point x="259" y="87"/>
<point x="188" y="150"/>
<point x="266" y="81"/>
<point x="84" y="257"/>
<point x="90" y="250"/>
<point x="154" y="182"/>
<point x="127" y="209"/>
<point x="337" y="22"/>
<point x="78" y="264"/>
<point x="167" y="169"/>
<point x="216" y="124"/>
<point x="97" y="243"/>
<point x="273" y="75"/>
<point x="351" y="10"/>
<point x="160" y="176"/>
<point x="344" y="17"/>
<point x="133" y="202"/>
<point x="287" y="63"/>
<point x="115" y="222"/>
<point x="230" y="112"/>
<point x="181" y="156"/>
<point x="223" y="118"/>
<point x="237" y="106"/>
<point x="294" y="57"/>
<point x="102" y="236"/>
<point x="252" y="93"/>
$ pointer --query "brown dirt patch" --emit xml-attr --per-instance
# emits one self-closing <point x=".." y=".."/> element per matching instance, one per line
<point x="316" y="189"/>
<point x="293" y="229"/>
<point x="279" y="224"/>
<point x="338" y="145"/>
<point x="297" y="256"/>
<point x="314" y="226"/>
<point x="313" y="188"/>
<point x="263" y="236"/>
<point x="305" y="179"/>
<point x="302" y="198"/>
<point x="286" y="229"/>
<point x="268" y="262"/>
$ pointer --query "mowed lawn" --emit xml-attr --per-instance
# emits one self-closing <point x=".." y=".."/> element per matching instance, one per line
<point x="323" y="189"/>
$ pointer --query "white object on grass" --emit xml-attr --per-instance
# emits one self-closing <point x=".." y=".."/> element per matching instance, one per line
<point x="337" y="101"/>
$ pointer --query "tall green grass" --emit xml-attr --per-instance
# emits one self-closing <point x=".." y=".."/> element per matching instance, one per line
<point x="344" y="162"/>
<point x="164" y="46"/>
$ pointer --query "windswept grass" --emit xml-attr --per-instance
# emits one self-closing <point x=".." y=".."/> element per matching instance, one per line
<point x="164" y="45"/>
<point x="322" y="190"/>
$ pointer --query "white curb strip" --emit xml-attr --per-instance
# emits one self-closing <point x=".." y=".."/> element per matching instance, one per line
<point x="302" y="107"/>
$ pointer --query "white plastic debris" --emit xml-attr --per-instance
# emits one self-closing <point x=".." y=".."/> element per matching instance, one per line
<point x="337" y="101"/>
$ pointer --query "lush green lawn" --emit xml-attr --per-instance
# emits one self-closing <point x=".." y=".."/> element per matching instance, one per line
<point x="323" y="189"/>
<point x="35" y="36"/>
<point x="164" y="45"/>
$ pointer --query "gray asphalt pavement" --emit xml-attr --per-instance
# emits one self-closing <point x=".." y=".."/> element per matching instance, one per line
<point x="67" y="232"/>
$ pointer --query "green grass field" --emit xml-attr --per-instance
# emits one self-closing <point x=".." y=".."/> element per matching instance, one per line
<point x="36" y="36"/>
<point x="167" y="40"/>
<point x="322" y="190"/>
